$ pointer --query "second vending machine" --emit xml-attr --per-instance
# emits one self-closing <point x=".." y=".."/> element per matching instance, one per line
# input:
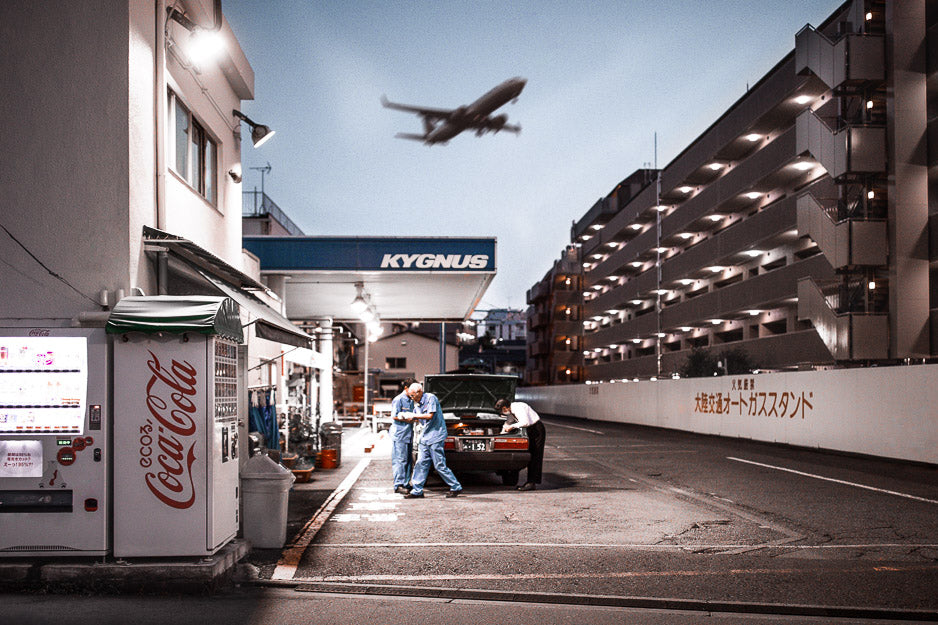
<point x="175" y="425"/>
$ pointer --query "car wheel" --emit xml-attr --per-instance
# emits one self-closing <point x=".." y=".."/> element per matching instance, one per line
<point x="510" y="478"/>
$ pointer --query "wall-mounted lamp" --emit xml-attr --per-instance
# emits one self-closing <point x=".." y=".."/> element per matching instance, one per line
<point x="259" y="132"/>
<point x="204" y="43"/>
<point x="235" y="174"/>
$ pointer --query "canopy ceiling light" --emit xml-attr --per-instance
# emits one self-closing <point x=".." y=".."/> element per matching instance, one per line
<point x="259" y="132"/>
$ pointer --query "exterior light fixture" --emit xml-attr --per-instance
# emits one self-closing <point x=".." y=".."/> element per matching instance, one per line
<point x="260" y="133"/>
<point x="753" y="313"/>
<point x="612" y="278"/>
<point x="568" y="372"/>
<point x="596" y="227"/>
<point x="753" y="137"/>
<point x="753" y="253"/>
<point x="660" y="335"/>
<point x="659" y="291"/>
<point x="715" y="269"/>
<point x="567" y="342"/>
<point x="613" y="346"/>
<point x="685" y="189"/>
<point x="585" y="237"/>
<point x="716" y="322"/>
<point x="661" y="208"/>
<point x="803" y="165"/>
<point x="870" y="195"/>
<point x="636" y="341"/>
<point x="686" y="281"/>
<point x="612" y="311"/>
<point x="869" y="104"/>
<point x="716" y="166"/>
<point x="567" y="281"/>
<point x="597" y="256"/>
<point x="803" y="99"/>
<point x="753" y="195"/>
<point x="715" y="218"/>
<point x="567" y="311"/>
<point x="686" y="235"/>
<point x="598" y="287"/>
<point x="613" y="244"/>
<point x="636" y="302"/>
<point x="685" y="328"/>
<point x="872" y="285"/>
<point x="636" y="226"/>
<point x="636" y="263"/>
<point x="869" y="16"/>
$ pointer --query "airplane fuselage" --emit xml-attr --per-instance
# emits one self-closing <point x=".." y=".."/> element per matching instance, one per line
<point x="443" y="125"/>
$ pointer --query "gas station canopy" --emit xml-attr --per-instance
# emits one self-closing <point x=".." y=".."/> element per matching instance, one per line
<point x="401" y="278"/>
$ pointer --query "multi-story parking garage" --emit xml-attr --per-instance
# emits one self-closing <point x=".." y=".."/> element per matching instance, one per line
<point x="795" y="228"/>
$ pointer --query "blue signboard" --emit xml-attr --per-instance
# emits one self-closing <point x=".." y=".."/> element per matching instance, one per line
<point x="373" y="253"/>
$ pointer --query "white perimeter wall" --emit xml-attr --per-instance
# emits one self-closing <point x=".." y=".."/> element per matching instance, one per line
<point x="880" y="411"/>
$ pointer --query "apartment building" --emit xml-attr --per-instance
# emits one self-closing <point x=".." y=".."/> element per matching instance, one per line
<point x="795" y="228"/>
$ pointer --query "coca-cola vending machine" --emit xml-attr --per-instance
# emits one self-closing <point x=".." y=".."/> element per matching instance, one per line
<point x="175" y="425"/>
<point x="53" y="441"/>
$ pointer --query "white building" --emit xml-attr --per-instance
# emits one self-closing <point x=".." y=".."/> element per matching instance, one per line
<point x="121" y="172"/>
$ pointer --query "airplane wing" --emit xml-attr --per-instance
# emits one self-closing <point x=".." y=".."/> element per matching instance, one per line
<point x="427" y="113"/>
<point x="413" y="137"/>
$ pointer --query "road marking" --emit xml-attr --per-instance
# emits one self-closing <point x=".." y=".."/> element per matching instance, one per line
<point x="573" y="427"/>
<point x="290" y="558"/>
<point x="836" y="481"/>
<point x="607" y="575"/>
<point x="639" y="546"/>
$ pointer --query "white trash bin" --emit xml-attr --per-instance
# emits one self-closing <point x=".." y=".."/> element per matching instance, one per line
<point x="265" y="488"/>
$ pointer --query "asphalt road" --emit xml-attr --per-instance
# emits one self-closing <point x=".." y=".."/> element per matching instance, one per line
<point x="637" y="512"/>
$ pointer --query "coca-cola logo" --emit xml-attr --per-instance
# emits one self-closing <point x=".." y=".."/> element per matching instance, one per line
<point x="172" y="427"/>
<point x="39" y="332"/>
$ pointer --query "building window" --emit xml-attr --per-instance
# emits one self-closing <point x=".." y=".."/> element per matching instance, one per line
<point x="194" y="154"/>
<point x="395" y="363"/>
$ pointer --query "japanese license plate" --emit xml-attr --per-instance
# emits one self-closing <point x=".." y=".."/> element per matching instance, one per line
<point x="474" y="445"/>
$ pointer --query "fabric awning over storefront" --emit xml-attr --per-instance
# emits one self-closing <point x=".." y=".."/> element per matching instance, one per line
<point x="228" y="281"/>
<point x="268" y="323"/>
<point x="175" y="314"/>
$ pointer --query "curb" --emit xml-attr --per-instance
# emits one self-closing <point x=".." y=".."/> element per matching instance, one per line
<point x="687" y="605"/>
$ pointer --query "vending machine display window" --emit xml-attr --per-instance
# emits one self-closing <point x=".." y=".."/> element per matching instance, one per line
<point x="43" y="385"/>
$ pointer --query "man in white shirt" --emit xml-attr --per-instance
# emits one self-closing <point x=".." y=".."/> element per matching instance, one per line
<point x="520" y="415"/>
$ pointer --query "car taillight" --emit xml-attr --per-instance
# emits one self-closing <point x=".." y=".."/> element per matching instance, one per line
<point x="449" y="443"/>
<point x="510" y="443"/>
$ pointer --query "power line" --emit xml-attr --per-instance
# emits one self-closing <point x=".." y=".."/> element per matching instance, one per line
<point x="43" y="265"/>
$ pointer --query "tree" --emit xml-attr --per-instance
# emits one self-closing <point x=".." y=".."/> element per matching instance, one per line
<point x="701" y="363"/>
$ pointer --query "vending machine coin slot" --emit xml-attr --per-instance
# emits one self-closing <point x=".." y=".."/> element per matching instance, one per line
<point x="94" y="417"/>
<point x="224" y="444"/>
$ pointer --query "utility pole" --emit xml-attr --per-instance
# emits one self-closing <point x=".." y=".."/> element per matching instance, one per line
<point x="657" y="261"/>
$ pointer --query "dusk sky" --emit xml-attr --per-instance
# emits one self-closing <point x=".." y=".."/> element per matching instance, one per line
<point x="603" y="78"/>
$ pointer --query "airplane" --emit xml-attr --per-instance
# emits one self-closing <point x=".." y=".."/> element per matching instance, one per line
<point x="441" y="125"/>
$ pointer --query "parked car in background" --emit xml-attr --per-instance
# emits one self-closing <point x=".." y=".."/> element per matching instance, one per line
<point x="475" y="442"/>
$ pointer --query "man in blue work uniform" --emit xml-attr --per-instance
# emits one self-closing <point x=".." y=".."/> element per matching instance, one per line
<point x="402" y="439"/>
<point x="430" y="445"/>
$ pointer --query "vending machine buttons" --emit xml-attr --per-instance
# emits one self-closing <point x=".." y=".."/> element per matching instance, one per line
<point x="78" y="444"/>
<point x="97" y="455"/>
<point x="91" y="505"/>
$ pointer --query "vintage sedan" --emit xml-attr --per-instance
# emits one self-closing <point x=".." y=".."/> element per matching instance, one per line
<point x="475" y="442"/>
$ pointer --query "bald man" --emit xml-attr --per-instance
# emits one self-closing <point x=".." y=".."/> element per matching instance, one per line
<point x="430" y="445"/>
